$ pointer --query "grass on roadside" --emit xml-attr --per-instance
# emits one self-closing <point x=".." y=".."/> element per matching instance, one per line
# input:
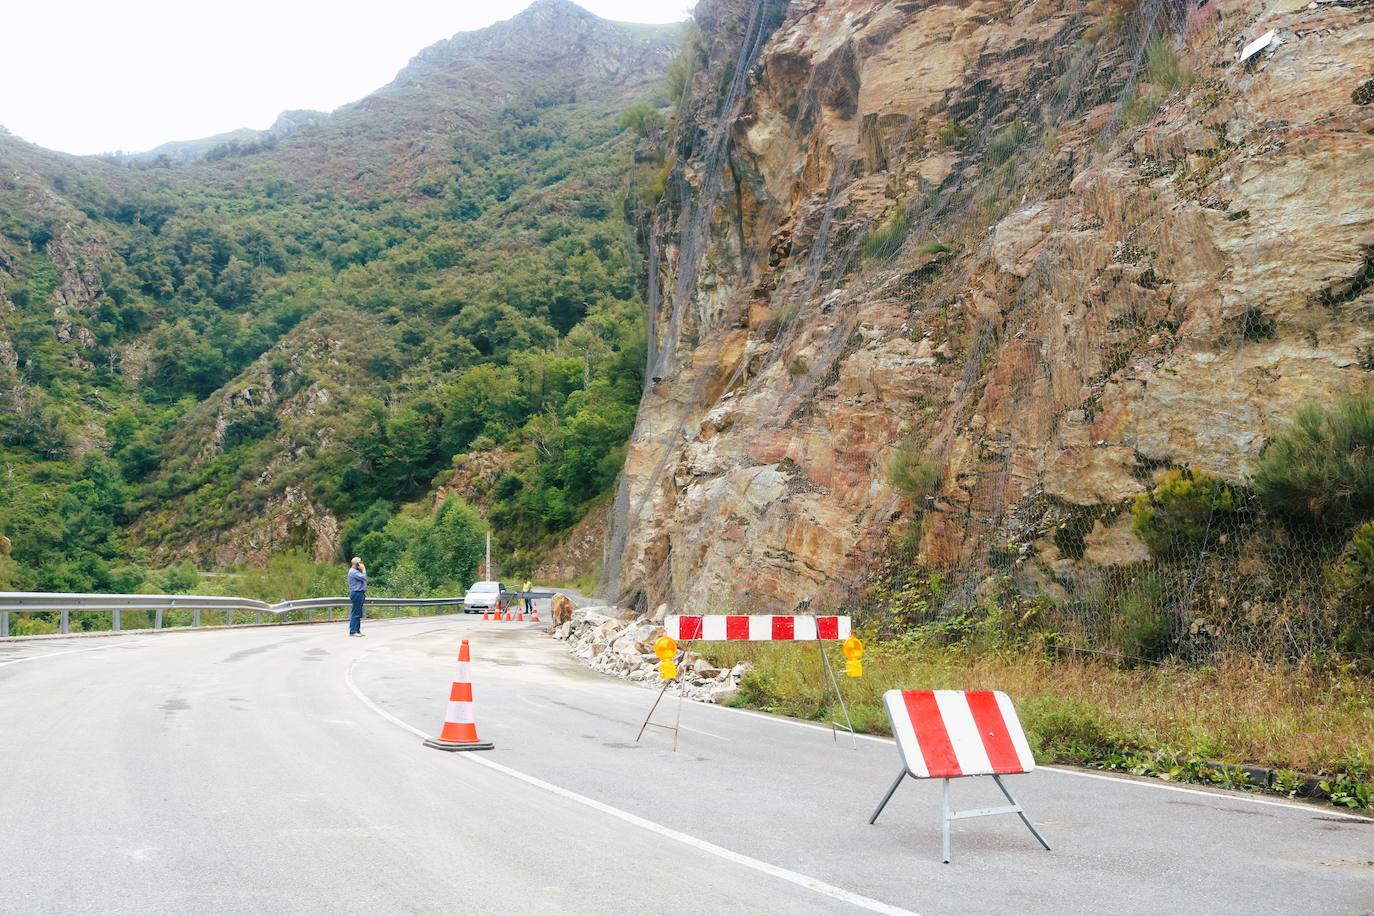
<point x="1163" y="721"/>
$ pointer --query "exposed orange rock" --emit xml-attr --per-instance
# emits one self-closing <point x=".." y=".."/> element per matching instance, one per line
<point x="1088" y="290"/>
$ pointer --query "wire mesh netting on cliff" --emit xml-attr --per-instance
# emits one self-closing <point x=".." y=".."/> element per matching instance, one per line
<point x="1189" y="566"/>
<point x="823" y="270"/>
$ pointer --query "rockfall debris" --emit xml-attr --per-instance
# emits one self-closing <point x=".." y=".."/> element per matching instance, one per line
<point x="611" y="644"/>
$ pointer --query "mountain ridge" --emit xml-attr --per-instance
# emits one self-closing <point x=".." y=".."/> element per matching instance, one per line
<point x="273" y="350"/>
<point x="525" y="37"/>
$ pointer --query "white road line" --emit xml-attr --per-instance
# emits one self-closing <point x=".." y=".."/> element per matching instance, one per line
<point x="811" y="884"/>
<point x="700" y="731"/>
<point x="1160" y="784"/>
<point x="34" y="658"/>
<point x="1109" y="777"/>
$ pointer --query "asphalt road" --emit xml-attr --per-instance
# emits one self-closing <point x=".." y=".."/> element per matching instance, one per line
<point x="279" y="770"/>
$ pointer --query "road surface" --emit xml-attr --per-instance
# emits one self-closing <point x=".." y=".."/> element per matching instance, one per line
<point x="279" y="770"/>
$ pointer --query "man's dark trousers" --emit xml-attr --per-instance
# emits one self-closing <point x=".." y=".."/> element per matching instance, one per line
<point x="355" y="619"/>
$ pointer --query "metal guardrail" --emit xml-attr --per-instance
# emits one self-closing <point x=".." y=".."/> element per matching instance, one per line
<point x="65" y="603"/>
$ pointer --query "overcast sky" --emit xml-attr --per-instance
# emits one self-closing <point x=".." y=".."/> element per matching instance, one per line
<point x="94" y="76"/>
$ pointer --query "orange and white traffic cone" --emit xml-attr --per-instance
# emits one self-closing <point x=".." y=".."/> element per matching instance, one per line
<point x="534" y="614"/>
<point x="460" y="728"/>
<point x="486" y="615"/>
<point x="519" y="614"/>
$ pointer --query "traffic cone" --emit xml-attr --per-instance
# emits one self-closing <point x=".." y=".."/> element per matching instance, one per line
<point x="519" y="615"/>
<point x="534" y="614"/>
<point x="460" y="728"/>
<point x="486" y="615"/>
<point x="508" y="617"/>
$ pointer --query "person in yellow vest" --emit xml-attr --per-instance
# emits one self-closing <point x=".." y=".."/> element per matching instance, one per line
<point x="529" y="602"/>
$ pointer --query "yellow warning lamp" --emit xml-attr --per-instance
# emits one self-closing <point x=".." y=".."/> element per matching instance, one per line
<point x="665" y="648"/>
<point x="853" y="649"/>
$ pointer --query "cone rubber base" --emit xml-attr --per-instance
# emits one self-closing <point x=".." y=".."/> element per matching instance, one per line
<point x="458" y="746"/>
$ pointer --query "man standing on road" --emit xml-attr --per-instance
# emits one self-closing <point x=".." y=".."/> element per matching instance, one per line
<point x="529" y="602"/>
<point x="357" y="592"/>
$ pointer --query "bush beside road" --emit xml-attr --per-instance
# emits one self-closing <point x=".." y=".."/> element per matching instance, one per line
<point x="1313" y="728"/>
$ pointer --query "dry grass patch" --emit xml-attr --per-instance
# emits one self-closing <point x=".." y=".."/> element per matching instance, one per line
<point x="1165" y="720"/>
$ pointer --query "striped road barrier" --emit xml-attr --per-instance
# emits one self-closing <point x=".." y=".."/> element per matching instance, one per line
<point x="750" y="628"/>
<point x="755" y="627"/>
<point x="949" y="734"/>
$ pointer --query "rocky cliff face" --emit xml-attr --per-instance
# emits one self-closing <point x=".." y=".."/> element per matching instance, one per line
<point x="1127" y="250"/>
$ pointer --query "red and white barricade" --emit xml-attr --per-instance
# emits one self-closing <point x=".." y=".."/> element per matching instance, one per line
<point x="686" y="628"/>
<point x="755" y="627"/>
<point x="947" y="734"/>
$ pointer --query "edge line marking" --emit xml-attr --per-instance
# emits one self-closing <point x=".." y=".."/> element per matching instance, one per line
<point x="34" y="658"/>
<point x="811" y="884"/>
<point x="1161" y="785"/>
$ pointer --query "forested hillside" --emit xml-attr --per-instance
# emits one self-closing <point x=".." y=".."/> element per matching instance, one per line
<point x="278" y="346"/>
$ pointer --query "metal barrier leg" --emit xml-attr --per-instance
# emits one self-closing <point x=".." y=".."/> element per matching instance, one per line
<point x="1019" y="813"/>
<point x="4" y="623"/>
<point x="677" y="722"/>
<point x="157" y="620"/>
<point x="228" y="618"/>
<point x="947" y="820"/>
<point x="66" y="625"/>
<point x="825" y="661"/>
<point x="195" y="622"/>
<point x="888" y="797"/>
<point x="651" y="710"/>
<point x="114" y="620"/>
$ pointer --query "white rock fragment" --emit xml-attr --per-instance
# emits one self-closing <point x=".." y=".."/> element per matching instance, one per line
<point x="1259" y="44"/>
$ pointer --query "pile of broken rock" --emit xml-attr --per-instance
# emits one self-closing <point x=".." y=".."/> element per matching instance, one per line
<point x="611" y="644"/>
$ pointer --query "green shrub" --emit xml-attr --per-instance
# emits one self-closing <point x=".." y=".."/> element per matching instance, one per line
<point x="1165" y="68"/>
<point x="1141" y="105"/>
<point x="952" y="133"/>
<point x="182" y="579"/>
<point x="1320" y="472"/>
<point x="641" y="119"/>
<point x="1139" y="624"/>
<point x="756" y="691"/>
<point x="1002" y="145"/>
<point x="1354" y="579"/>
<point x="884" y="240"/>
<point x="1066" y="729"/>
<point x="652" y="192"/>
<point x="915" y="476"/>
<point x="406" y="580"/>
<point x="1175" y="518"/>
<point x="1352" y="785"/>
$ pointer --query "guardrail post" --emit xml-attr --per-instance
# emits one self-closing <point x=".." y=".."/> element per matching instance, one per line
<point x="114" y="620"/>
<point x="229" y="617"/>
<point x="309" y="615"/>
<point x="195" y="618"/>
<point x="4" y="623"/>
<point x="157" y="620"/>
<point x="259" y="616"/>
<point x="66" y="621"/>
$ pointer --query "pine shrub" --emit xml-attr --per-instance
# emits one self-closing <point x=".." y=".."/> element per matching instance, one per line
<point x="886" y="239"/>
<point x="1175" y="519"/>
<point x="1320" y="472"/>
